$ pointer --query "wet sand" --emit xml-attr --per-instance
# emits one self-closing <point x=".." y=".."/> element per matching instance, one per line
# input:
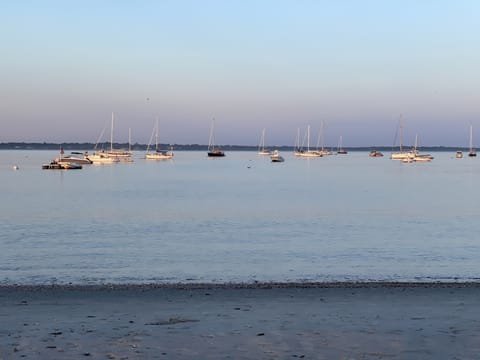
<point x="261" y="321"/>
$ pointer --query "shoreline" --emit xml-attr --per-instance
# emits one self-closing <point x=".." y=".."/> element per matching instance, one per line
<point x="241" y="321"/>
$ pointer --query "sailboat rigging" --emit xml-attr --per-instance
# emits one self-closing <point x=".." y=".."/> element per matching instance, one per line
<point x="158" y="154"/>
<point x="212" y="150"/>
<point x="261" y="146"/>
<point x="472" y="152"/>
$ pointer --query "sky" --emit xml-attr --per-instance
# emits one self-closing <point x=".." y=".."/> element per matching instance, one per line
<point x="356" y="66"/>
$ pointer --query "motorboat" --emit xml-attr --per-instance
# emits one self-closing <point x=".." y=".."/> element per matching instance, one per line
<point x="54" y="165"/>
<point x="375" y="153"/>
<point x="84" y="160"/>
<point x="276" y="157"/>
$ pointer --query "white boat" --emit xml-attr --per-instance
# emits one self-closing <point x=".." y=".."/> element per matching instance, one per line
<point x="401" y="154"/>
<point x="472" y="152"/>
<point x="124" y="155"/>
<point x="340" y="149"/>
<point x="320" y="143"/>
<point x="459" y="154"/>
<point x="75" y="158"/>
<point x="276" y="157"/>
<point x="158" y="154"/>
<point x="415" y="156"/>
<point x="100" y="157"/>
<point x="53" y="165"/>
<point x="261" y="147"/>
<point x="297" y="151"/>
<point x="309" y="153"/>
<point x="212" y="150"/>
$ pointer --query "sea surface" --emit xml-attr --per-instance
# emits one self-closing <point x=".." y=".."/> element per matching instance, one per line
<point x="239" y="219"/>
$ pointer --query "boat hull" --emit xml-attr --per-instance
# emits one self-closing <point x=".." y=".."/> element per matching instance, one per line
<point x="216" y="153"/>
<point x="61" y="166"/>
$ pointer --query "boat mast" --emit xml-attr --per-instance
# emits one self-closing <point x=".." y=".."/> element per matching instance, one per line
<point x="471" y="136"/>
<point x="322" y="135"/>
<point x="156" y="136"/>
<point x="297" y="141"/>
<point x="111" y="134"/>
<point x="261" y="147"/>
<point x="211" y="142"/>
<point x="401" y="133"/>
<point x="308" y="138"/>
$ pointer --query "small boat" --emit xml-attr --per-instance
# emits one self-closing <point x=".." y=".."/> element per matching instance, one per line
<point x="472" y="152"/>
<point x="158" y="154"/>
<point x="114" y="154"/>
<point x="459" y="155"/>
<point x="341" y="150"/>
<point x="320" y="142"/>
<point x="375" y="153"/>
<point x="74" y="159"/>
<point x="276" y="157"/>
<point x="100" y="157"/>
<point x="261" y="147"/>
<point x="308" y="153"/>
<point x="401" y="155"/>
<point x="53" y="165"/>
<point x="212" y="150"/>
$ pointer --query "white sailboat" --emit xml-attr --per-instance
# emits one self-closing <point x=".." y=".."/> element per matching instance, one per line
<point x="321" y="141"/>
<point x="309" y="153"/>
<point x="296" y="149"/>
<point x="414" y="155"/>
<point x="100" y="156"/>
<point x="123" y="155"/>
<point x="401" y="154"/>
<point x="212" y="150"/>
<point x="472" y="152"/>
<point x="158" y="154"/>
<point x="261" y="147"/>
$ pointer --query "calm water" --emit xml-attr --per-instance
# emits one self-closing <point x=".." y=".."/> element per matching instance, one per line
<point x="240" y="218"/>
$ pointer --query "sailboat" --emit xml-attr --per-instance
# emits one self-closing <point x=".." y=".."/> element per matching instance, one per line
<point x="321" y="138"/>
<point x="100" y="156"/>
<point x="212" y="150"/>
<point x="340" y="149"/>
<point x="116" y="153"/>
<point x="401" y="154"/>
<point x="158" y="154"/>
<point x="261" y="146"/>
<point x="296" y="148"/>
<point x="472" y="152"/>
<point x="414" y="155"/>
<point x="308" y="152"/>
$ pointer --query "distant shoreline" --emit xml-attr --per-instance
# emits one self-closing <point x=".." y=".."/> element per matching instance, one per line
<point x="198" y="147"/>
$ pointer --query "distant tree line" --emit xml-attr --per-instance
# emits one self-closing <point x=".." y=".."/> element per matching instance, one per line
<point x="187" y="147"/>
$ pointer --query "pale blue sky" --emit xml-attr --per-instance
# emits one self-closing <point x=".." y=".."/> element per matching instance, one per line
<point x="279" y="65"/>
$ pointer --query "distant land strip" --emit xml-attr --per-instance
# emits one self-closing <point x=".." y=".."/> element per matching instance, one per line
<point x="193" y="147"/>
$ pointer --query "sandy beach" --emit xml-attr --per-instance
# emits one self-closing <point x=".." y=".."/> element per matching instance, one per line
<point x="261" y="321"/>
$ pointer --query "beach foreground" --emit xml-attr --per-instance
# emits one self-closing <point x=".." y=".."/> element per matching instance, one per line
<point x="261" y="321"/>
